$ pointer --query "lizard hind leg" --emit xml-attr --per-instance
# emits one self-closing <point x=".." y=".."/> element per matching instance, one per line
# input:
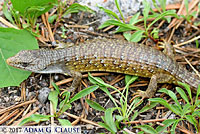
<point x="152" y="88"/>
<point x="77" y="76"/>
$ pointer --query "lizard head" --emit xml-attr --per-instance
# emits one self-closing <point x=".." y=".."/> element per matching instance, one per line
<point x="29" y="60"/>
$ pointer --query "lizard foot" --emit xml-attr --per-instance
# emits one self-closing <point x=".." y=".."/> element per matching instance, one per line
<point x="139" y="93"/>
<point x="70" y="89"/>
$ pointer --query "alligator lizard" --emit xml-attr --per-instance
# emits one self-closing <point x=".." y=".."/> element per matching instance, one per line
<point x="110" y="56"/>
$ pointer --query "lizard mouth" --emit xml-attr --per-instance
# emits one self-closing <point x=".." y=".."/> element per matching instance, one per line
<point x="11" y="61"/>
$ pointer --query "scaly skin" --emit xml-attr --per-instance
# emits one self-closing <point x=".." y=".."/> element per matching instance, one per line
<point x="110" y="56"/>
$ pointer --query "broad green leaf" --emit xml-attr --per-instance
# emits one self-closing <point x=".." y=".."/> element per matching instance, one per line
<point x="36" y="118"/>
<point x="183" y="94"/>
<point x="147" y="129"/>
<point x="83" y="93"/>
<point x="11" y="42"/>
<point x="130" y="79"/>
<point x="53" y="97"/>
<point x="34" y="6"/>
<point x="127" y="36"/>
<point x="137" y="36"/>
<point x="95" y="105"/>
<point x="166" y="123"/>
<point x="64" y="122"/>
<point x="109" y="119"/>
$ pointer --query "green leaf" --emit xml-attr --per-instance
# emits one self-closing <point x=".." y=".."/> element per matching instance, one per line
<point x="147" y="107"/>
<point x="110" y="13"/>
<point x="165" y="103"/>
<point x="52" y="18"/>
<point x="64" y="122"/>
<point x="99" y="81"/>
<point x="11" y="42"/>
<point x="186" y="109"/>
<point x="109" y="119"/>
<point x="110" y="96"/>
<point x="127" y="78"/>
<point x="136" y="113"/>
<point x="127" y="36"/>
<point x="119" y="118"/>
<point x="191" y="119"/>
<point x="75" y="8"/>
<point x="197" y="94"/>
<point x="145" y="12"/>
<point x="172" y="95"/>
<point x="166" y="123"/>
<point x="56" y="87"/>
<point x="95" y="105"/>
<point x="83" y="93"/>
<point x="154" y="33"/>
<point x="183" y="94"/>
<point x="118" y="7"/>
<point x="174" y="126"/>
<point x="187" y="87"/>
<point x="147" y="129"/>
<point x="7" y="13"/>
<point x="137" y="36"/>
<point x="118" y="23"/>
<point x="135" y="19"/>
<point x="53" y="97"/>
<point x="106" y="127"/>
<point x="36" y="7"/>
<point x="36" y="118"/>
<point x="64" y="105"/>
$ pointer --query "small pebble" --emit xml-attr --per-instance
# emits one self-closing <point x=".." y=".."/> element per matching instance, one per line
<point x="43" y="94"/>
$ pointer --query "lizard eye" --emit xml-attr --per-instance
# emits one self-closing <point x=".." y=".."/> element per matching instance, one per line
<point x="24" y="64"/>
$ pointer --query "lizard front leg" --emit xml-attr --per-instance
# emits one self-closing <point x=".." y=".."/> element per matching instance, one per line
<point x="152" y="88"/>
<point x="77" y="76"/>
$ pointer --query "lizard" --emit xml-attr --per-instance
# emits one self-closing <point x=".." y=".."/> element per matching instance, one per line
<point x="110" y="55"/>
